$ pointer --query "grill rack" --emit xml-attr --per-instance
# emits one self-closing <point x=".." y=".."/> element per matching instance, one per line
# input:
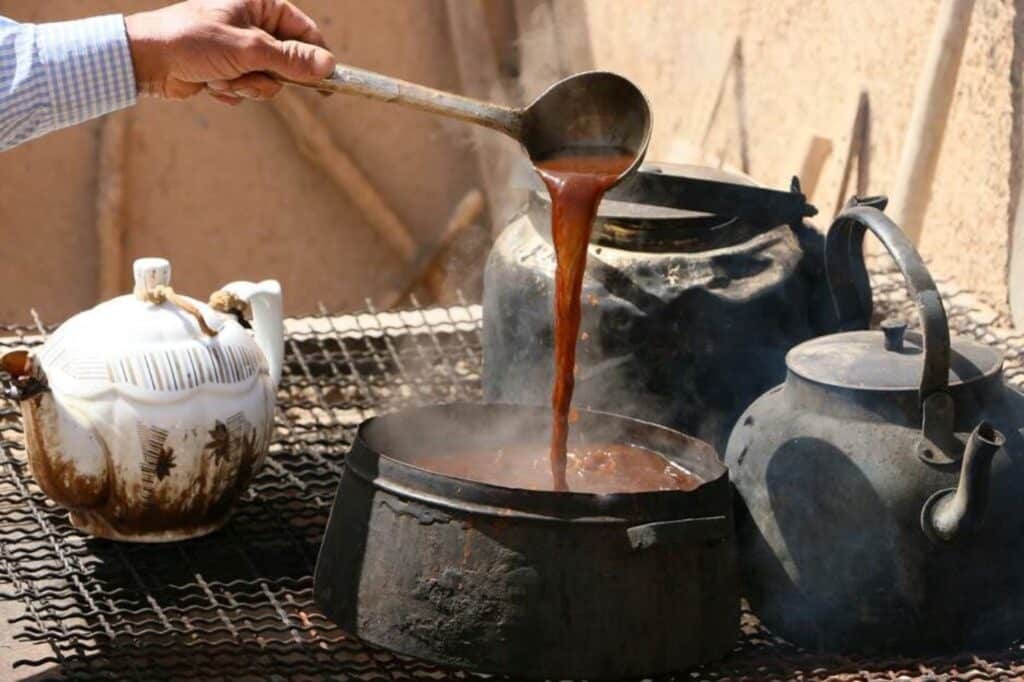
<point x="238" y="604"/>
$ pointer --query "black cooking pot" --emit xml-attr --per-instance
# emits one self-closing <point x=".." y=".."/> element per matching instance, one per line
<point x="525" y="582"/>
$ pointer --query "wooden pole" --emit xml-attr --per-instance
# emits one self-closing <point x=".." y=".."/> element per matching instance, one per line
<point x="739" y="80"/>
<point x="314" y="141"/>
<point x="727" y="63"/>
<point x="463" y="216"/>
<point x="818" y="150"/>
<point x="111" y="210"/>
<point x="477" y="62"/>
<point x="1016" y="274"/>
<point x="732" y="64"/>
<point x="858" y="151"/>
<point x="935" y="89"/>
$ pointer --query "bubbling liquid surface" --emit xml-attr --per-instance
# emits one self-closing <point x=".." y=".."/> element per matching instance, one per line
<point x="590" y="468"/>
<point x="576" y="182"/>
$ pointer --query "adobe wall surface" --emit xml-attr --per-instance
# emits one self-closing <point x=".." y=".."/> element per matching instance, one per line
<point x="804" y="64"/>
<point x="225" y="194"/>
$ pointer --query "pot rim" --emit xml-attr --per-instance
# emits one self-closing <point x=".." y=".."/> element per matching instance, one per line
<point x="712" y="496"/>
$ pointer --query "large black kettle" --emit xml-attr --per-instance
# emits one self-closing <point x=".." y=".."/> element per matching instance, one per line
<point x="883" y="501"/>
<point x="697" y="283"/>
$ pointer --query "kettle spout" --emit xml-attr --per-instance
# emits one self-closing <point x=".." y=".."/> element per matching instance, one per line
<point x="954" y="514"/>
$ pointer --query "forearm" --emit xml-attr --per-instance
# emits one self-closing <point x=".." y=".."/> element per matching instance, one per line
<point x="59" y="74"/>
<point x="55" y="75"/>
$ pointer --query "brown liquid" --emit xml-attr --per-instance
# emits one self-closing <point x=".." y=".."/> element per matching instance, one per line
<point x="576" y="182"/>
<point x="597" y="469"/>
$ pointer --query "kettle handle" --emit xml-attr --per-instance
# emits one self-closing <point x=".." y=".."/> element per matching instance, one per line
<point x="851" y="292"/>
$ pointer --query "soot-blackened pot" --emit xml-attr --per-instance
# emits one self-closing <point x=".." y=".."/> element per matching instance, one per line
<point x="523" y="582"/>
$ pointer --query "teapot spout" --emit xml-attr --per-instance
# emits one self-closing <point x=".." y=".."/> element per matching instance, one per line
<point x="956" y="513"/>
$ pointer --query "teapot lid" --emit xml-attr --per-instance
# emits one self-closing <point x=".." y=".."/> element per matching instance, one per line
<point x="152" y="343"/>
<point x="889" y="359"/>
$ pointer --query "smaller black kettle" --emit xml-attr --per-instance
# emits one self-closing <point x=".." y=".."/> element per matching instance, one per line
<point x="883" y="501"/>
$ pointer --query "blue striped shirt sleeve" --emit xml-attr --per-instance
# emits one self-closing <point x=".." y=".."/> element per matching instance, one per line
<point x="59" y="74"/>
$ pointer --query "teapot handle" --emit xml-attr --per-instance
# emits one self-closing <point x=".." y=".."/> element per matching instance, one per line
<point x="264" y="298"/>
<point x="851" y="293"/>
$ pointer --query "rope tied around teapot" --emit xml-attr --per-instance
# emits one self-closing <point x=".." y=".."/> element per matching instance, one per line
<point x="221" y="301"/>
<point x="228" y="302"/>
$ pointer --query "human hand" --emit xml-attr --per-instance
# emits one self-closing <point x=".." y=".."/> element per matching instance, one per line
<point x="226" y="47"/>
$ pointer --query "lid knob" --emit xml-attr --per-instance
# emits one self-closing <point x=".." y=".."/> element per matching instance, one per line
<point x="894" y="329"/>
<point x="150" y="273"/>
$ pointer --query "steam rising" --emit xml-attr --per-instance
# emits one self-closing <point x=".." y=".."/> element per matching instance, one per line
<point x="456" y="430"/>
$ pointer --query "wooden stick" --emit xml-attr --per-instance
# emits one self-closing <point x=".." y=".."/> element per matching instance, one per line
<point x="111" y="205"/>
<point x="739" y="80"/>
<point x="464" y="215"/>
<point x="727" y="63"/>
<point x="932" y="102"/>
<point x="1016" y="275"/>
<point x="314" y="141"/>
<point x="818" y="150"/>
<point x="858" y="151"/>
<point x="477" y="62"/>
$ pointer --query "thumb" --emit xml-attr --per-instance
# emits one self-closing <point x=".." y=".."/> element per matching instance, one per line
<point x="293" y="59"/>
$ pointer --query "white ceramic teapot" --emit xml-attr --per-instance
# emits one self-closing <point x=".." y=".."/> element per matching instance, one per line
<point x="148" y="415"/>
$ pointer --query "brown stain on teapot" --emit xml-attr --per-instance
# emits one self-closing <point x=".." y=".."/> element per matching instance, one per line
<point x="108" y="507"/>
<point x="202" y="507"/>
<point x="54" y="472"/>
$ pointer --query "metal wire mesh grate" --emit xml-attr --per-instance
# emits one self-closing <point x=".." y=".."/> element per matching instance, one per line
<point x="238" y="604"/>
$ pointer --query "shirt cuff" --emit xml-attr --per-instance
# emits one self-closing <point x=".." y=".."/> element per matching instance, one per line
<point x="88" y="67"/>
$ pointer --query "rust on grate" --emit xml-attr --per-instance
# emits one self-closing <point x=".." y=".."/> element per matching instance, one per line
<point x="238" y="604"/>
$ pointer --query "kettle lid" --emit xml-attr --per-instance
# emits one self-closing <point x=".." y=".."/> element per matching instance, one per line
<point x="889" y="359"/>
<point x="629" y="202"/>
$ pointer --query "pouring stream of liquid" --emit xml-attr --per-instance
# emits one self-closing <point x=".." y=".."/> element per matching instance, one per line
<point x="576" y="182"/>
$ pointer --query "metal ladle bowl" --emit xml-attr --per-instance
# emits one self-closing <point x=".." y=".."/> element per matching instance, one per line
<point x="593" y="110"/>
